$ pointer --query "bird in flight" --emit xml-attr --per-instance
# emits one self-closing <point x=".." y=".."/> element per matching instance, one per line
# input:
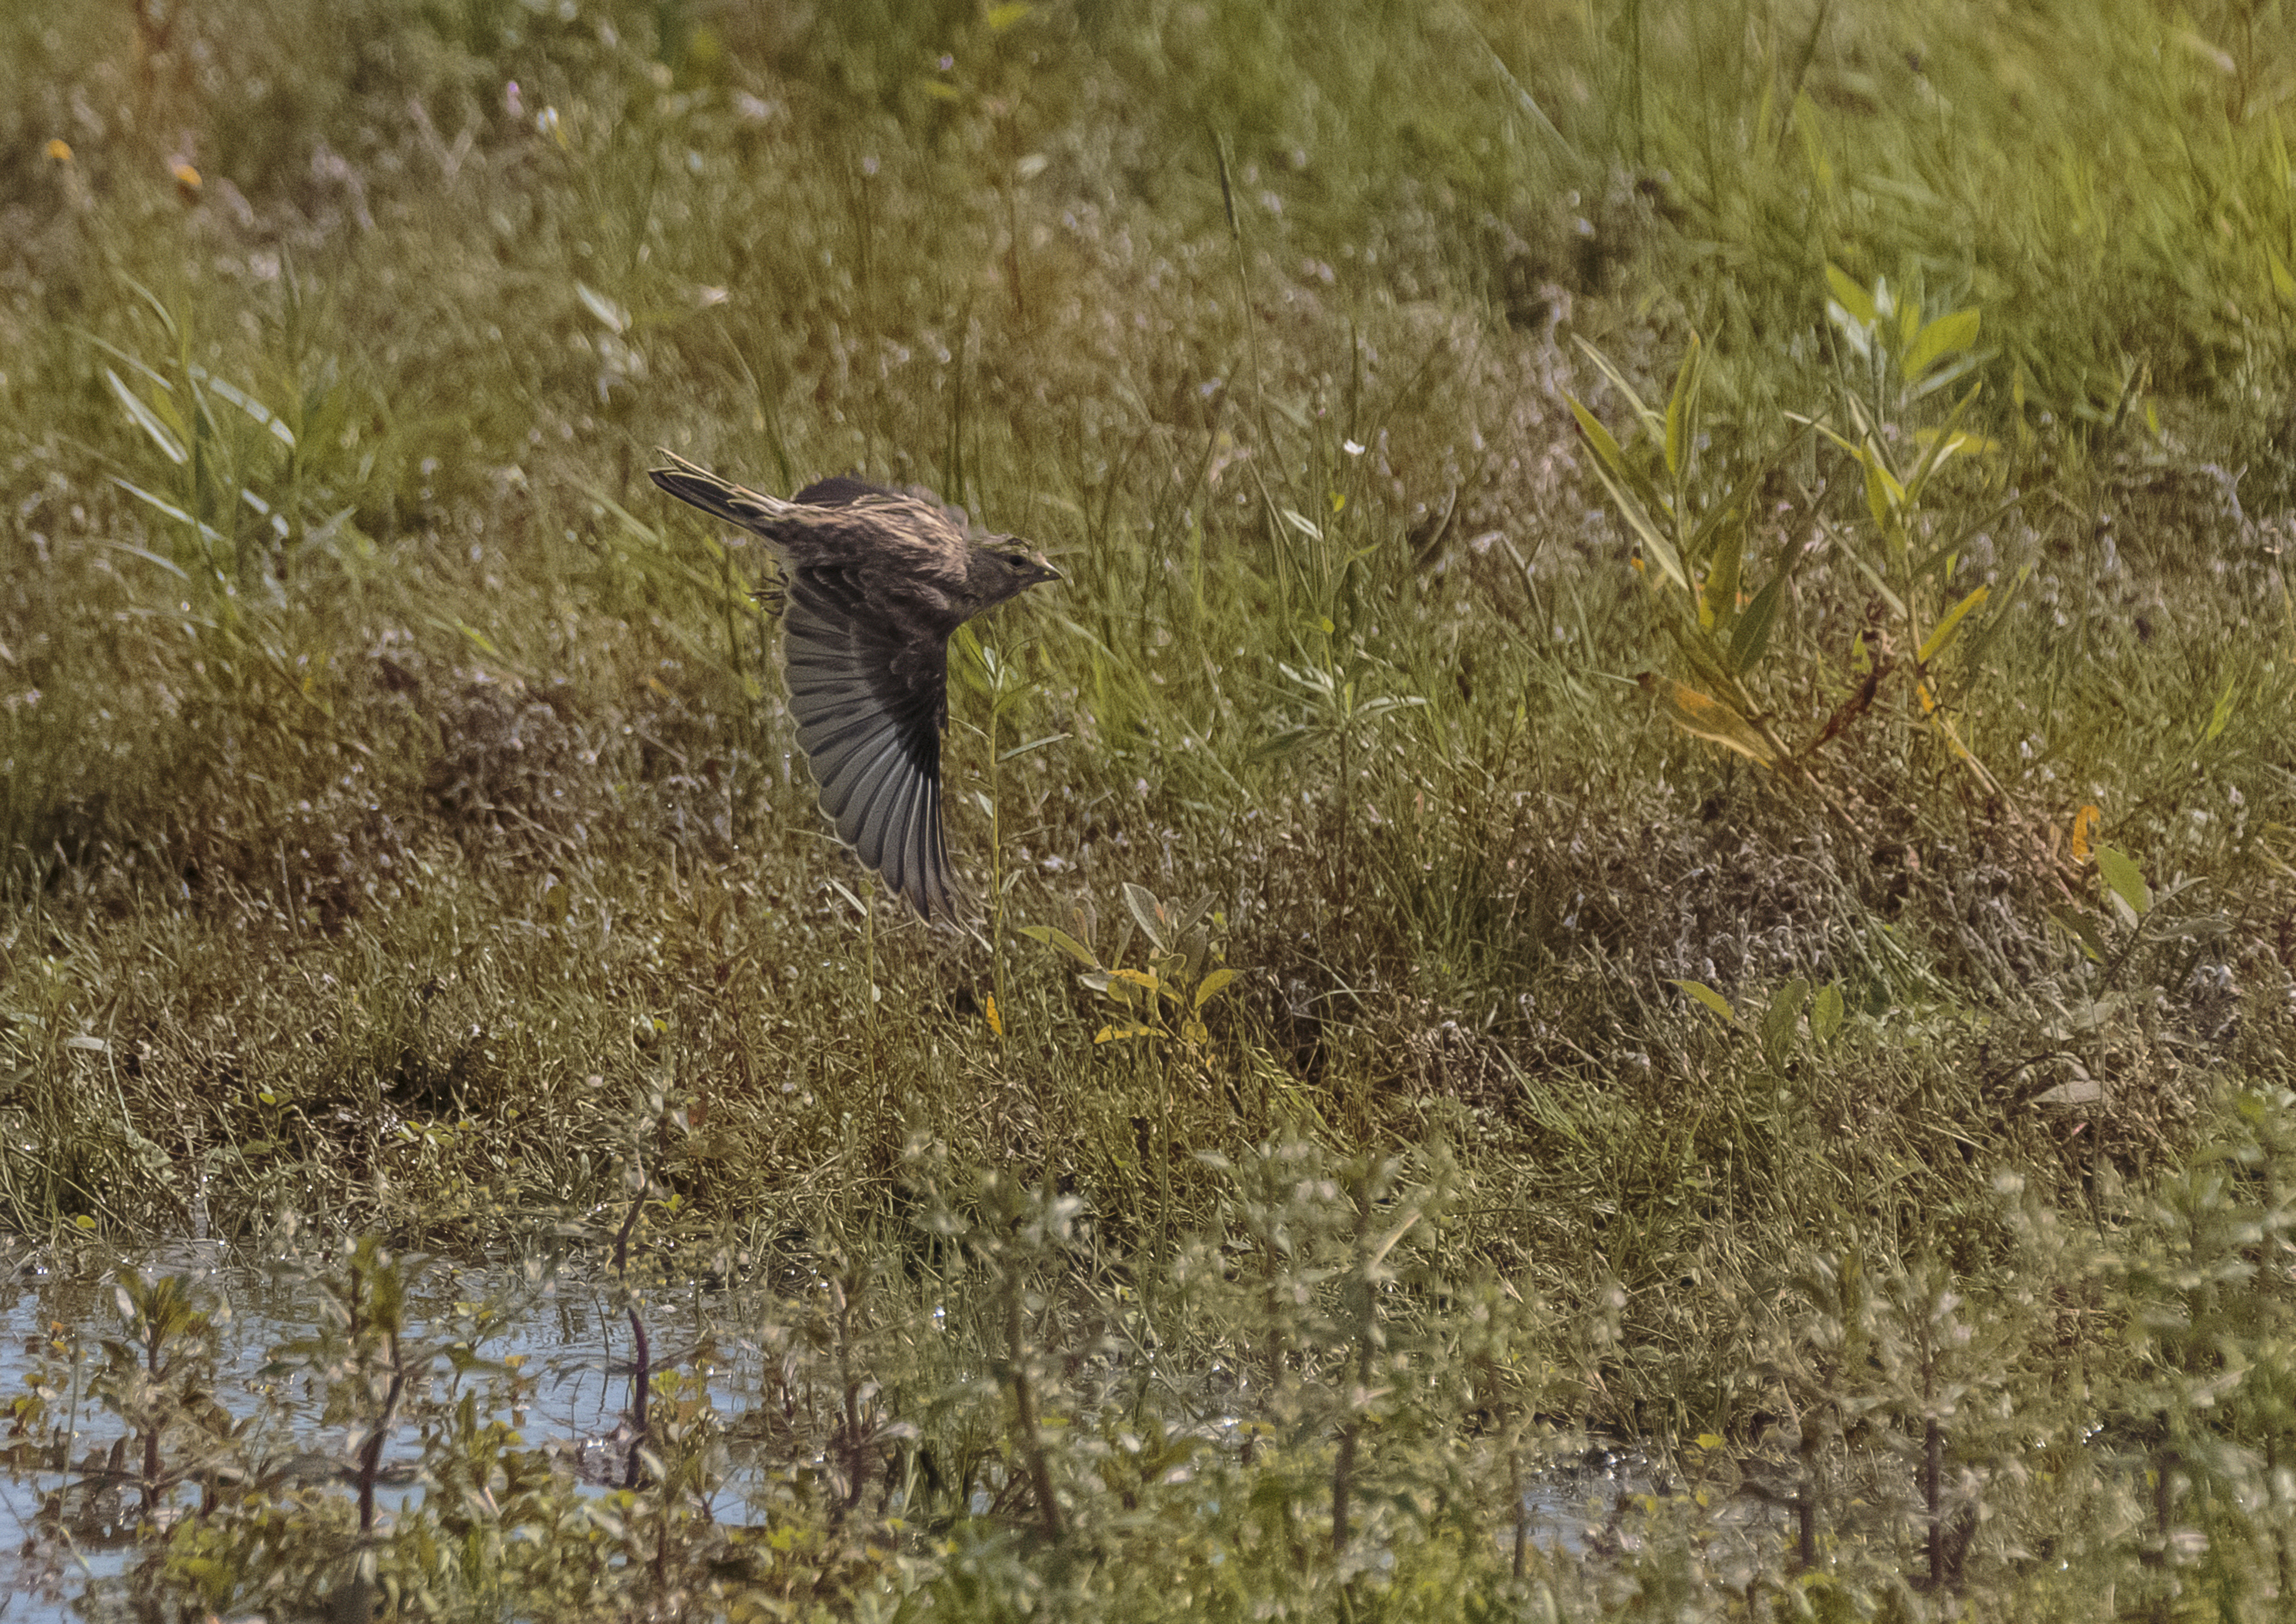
<point x="877" y="580"/>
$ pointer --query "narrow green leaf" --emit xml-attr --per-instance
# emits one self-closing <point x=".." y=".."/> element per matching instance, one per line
<point x="208" y="532"/>
<point x="1943" y="634"/>
<point x="1033" y="744"/>
<point x="1750" y="639"/>
<point x="1617" y="381"/>
<point x="148" y="556"/>
<point x="2221" y="717"/>
<point x="1973" y="650"/>
<point x="1718" y="602"/>
<point x="1682" y="408"/>
<point x="146" y="419"/>
<point x="1604" y="444"/>
<point x="1942" y="444"/>
<point x="1882" y="495"/>
<point x="1608" y="458"/>
<point x="247" y="403"/>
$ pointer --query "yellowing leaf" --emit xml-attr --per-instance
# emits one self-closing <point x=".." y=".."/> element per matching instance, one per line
<point x="1711" y="999"/>
<point x="1945" y="336"/>
<point x="995" y="1021"/>
<point x="1212" y="986"/>
<point x="1710" y="720"/>
<point x="2083" y="836"/>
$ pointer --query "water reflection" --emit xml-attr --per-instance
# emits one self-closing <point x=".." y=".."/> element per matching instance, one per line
<point x="72" y="1492"/>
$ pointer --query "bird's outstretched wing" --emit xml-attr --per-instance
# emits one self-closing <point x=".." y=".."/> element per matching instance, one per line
<point x="869" y="705"/>
<point x="865" y="637"/>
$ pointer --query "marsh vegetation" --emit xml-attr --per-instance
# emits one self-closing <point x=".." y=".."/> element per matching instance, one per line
<point x="1656" y="811"/>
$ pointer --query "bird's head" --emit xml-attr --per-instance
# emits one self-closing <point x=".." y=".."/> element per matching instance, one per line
<point x="992" y="577"/>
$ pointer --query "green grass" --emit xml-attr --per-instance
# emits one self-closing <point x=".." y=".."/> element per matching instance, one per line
<point x="402" y="831"/>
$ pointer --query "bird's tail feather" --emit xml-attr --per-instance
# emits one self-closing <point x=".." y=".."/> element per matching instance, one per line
<point x="720" y="498"/>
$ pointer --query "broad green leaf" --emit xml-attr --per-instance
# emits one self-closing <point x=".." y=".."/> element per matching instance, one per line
<point x="1855" y="302"/>
<point x="1148" y="914"/>
<point x="1825" y="1013"/>
<point x="1003" y="17"/>
<point x="146" y="419"/>
<point x="1750" y="640"/>
<point x="1947" y="376"/>
<point x="1711" y="999"/>
<point x="1778" y="1021"/>
<point x="1052" y="936"/>
<point x="1937" y="639"/>
<point x="2121" y="873"/>
<point x="2082" y="931"/>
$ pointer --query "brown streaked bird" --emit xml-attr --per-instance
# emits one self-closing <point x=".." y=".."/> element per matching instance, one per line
<point x="877" y="580"/>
